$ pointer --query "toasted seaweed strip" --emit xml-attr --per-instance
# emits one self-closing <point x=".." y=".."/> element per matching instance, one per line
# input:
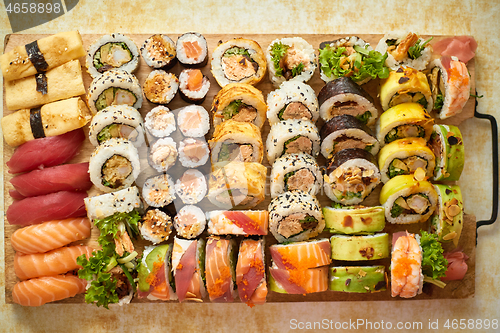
<point x="342" y="85"/>
<point x="36" y="123"/>
<point x="348" y="154"/>
<point x="41" y="83"/>
<point x="36" y="57"/>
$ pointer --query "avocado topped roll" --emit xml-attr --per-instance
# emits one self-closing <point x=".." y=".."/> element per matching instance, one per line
<point x="359" y="279"/>
<point x="404" y="86"/>
<point x="448" y="147"/>
<point x="351" y="176"/>
<point x="345" y="131"/>
<point x="156" y="281"/>
<point x="354" y="219"/>
<point x="406" y="50"/>
<point x="447" y="221"/>
<point x="343" y="96"/>
<point x="238" y="60"/>
<point x="358" y="248"/>
<point x="403" y="121"/>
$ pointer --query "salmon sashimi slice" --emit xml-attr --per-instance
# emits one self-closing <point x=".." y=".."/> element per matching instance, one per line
<point x="185" y="270"/>
<point x="250" y="271"/>
<point x="195" y="80"/>
<point x="260" y="294"/>
<point x="59" y="261"/>
<point x="50" y="235"/>
<point x="36" y="292"/>
<point x="218" y="271"/>
<point x="302" y="255"/>
<point x="238" y="222"/>
<point x="306" y="281"/>
<point x="192" y="49"/>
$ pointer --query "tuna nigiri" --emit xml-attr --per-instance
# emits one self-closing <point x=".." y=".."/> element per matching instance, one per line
<point x="36" y="292"/>
<point x="54" y="206"/>
<point x="46" y="152"/>
<point x="59" y="261"/>
<point x="50" y="235"/>
<point x="67" y="177"/>
<point x="250" y="272"/>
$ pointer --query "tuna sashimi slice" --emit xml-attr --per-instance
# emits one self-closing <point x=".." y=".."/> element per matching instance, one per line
<point x="184" y="272"/>
<point x="249" y="269"/>
<point x="252" y="224"/>
<point x="54" y="206"/>
<point x="16" y="195"/>
<point x="46" y="152"/>
<point x="67" y="177"/>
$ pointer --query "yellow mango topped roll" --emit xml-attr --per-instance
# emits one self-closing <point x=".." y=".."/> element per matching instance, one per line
<point x="404" y="121"/>
<point x="405" y="85"/>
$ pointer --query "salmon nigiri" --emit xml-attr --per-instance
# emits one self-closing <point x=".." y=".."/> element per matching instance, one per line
<point x="59" y="261"/>
<point x="50" y="235"/>
<point x="36" y="292"/>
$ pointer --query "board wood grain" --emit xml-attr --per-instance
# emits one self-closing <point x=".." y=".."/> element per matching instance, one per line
<point x="454" y="289"/>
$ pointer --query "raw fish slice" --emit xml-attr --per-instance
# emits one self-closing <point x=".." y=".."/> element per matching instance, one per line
<point x="36" y="292"/>
<point x="49" y="235"/>
<point x="306" y="281"/>
<point x="184" y="272"/>
<point x="54" y="206"/>
<point x="46" y="152"/>
<point x="59" y="261"/>
<point x="250" y="270"/>
<point x="218" y="270"/>
<point x="302" y="255"/>
<point x="67" y="177"/>
<point x="16" y="195"/>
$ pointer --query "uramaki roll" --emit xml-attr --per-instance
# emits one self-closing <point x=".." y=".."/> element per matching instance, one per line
<point x="358" y="279"/>
<point x="447" y="220"/>
<point x="358" y="248"/>
<point x="240" y="102"/>
<point x="354" y="219"/>
<point x="448" y="147"/>
<point x="50" y="120"/>
<point x="58" y="83"/>
<point x="403" y="86"/>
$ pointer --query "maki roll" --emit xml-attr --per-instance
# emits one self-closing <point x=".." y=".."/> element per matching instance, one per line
<point x="237" y="184"/>
<point x="351" y="176"/>
<point x="158" y="191"/>
<point x="160" y="121"/>
<point x="358" y="279"/>
<point x="114" y="165"/>
<point x="189" y="222"/>
<point x="117" y="121"/>
<point x="239" y="102"/>
<point x="292" y="100"/>
<point x="404" y="157"/>
<point x="156" y="226"/>
<point x="405" y="86"/>
<point x="155" y="274"/>
<point x="449" y="81"/>
<point x="114" y="51"/>
<point x="403" y="121"/>
<point x="295" y="172"/>
<point x="448" y="147"/>
<point x="408" y="200"/>
<point x="193" y="152"/>
<point x="290" y="59"/>
<point x="114" y="87"/>
<point x="188" y="268"/>
<point x="163" y="154"/>
<point x="193" y="121"/>
<point x="192" y="49"/>
<point x="406" y="50"/>
<point x="343" y="96"/>
<point x="236" y="141"/>
<point x="359" y="248"/>
<point x="292" y="137"/>
<point x="244" y="222"/>
<point x="220" y="263"/>
<point x="447" y="220"/>
<point x="251" y="272"/>
<point x="191" y="187"/>
<point x="158" y="51"/>
<point x="238" y="60"/>
<point x="160" y="87"/>
<point x="346" y="131"/>
<point x="295" y="216"/>
<point x="193" y="85"/>
<point x="354" y="219"/>
<point x="351" y="57"/>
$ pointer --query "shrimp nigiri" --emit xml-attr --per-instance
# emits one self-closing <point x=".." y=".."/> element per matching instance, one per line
<point x="406" y="267"/>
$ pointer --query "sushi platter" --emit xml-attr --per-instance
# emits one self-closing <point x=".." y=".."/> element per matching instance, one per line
<point x="459" y="289"/>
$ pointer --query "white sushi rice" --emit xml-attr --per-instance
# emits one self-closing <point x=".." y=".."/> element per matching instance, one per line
<point x="158" y="191"/>
<point x="193" y="190"/>
<point x="192" y="161"/>
<point x="160" y="121"/>
<point x="193" y="121"/>
<point x="190" y="222"/>
<point x="104" y="205"/>
<point x="163" y="154"/>
<point x="325" y="110"/>
<point x="419" y="64"/>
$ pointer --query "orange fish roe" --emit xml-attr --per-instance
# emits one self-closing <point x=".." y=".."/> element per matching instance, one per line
<point x="287" y="258"/>
<point x="403" y="267"/>
<point x="179" y="267"/>
<point x="152" y="279"/>
<point x="216" y="290"/>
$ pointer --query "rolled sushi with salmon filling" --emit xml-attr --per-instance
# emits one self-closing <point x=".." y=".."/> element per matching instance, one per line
<point x="404" y="157"/>
<point x="114" y="87"/>
<point x="160" y="121"/>
<point x="290" y="59"/>
<point x="292" y="100"/>
<point x="343" y="96"/>
<point x="408" y="200"/>
<point x="292" y="137"/>
<point x="117" y="121"/>
<point x="447" y="220"/>
<point x="406" y="50"/>
<point x="192" y="49"/>
<point x="189" y="222"/>
<point x="163" y="154"/>
<point x="114" y="165"/>
<point x="193" y="85"/>
<point x="448" y="147"/>
<point x="238" y="60"/>
<point x="115" y="51"/>
<point x="158" y="191"/>
<point x="156" y="281"/>
<point x="251" y="272"/>
<point x="160" y="87"/>
<point x="239" y="102"/>
<point x="193" y="121"/>
<point x="193" y="152"/>
<point x="188" y="268"/>
<point x="449" y="81"/>
<point x="191" y="187"/>
<point x="220" y="264"/>
<point x="244" y="222"/>
<point x="158" y="51"/>
<point x="345" y="131"/>
<point x="404" y="121"/>
<point x="351" y="176"/>
<point x="295" y="216"/>
<point x="295" y="172"/>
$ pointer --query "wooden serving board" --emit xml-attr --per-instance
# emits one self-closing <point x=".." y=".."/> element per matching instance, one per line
<point x="454" y="289"/>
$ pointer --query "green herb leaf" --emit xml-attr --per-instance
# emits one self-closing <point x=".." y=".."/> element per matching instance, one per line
<point x="232" y="109"/>
<point x="396" y="210"/>
<point x="297" y="70"/>
<point x="278" y="51"/>
<point x="415" y="51"/>
<point x="476" y="96"/>
<point x="235" y="50"/>
<point x="308" y="219"/>
<point x="434" y="264"/>
<point x="364" y="117"/>
<point x="438" y="103"/>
